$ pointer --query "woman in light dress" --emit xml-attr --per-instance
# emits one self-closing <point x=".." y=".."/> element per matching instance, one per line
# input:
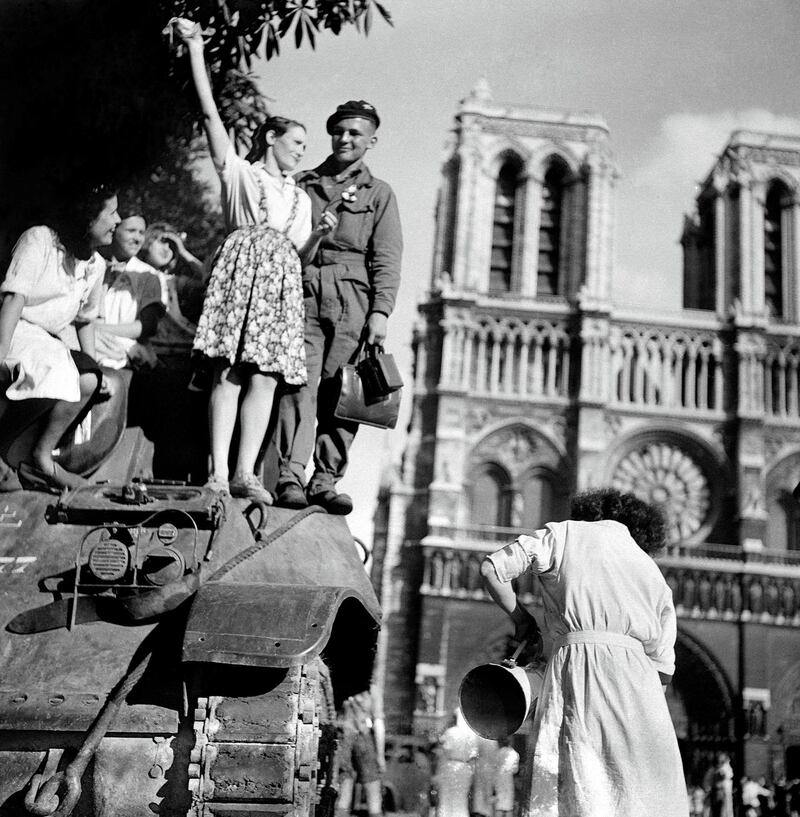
<point x="458" y="748"/>
<point x="507" y="767"/>
<point x="253" y="316"/>
<point x="604" y="743"/>
<point x="54" y="282"/>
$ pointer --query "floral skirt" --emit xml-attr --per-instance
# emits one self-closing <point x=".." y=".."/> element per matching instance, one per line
<point x="253" y="309"/>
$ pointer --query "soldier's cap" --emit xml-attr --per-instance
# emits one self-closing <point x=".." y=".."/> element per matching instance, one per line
<point x="350" y="109"/>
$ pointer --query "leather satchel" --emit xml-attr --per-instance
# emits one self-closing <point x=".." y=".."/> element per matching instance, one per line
<point x="352" y="405"/>
<point x="379" y="374"/>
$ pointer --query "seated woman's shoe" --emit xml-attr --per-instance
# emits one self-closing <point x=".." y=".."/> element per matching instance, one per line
<point x="36" y="479"/>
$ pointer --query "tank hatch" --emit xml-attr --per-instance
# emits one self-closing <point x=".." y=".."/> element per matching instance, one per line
<point x="134" y="503"/>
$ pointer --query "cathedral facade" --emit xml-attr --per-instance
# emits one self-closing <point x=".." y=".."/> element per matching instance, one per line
<point x="530" y="384"/>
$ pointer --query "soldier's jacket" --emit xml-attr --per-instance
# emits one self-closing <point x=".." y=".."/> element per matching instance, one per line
<point x="367" y="244"/>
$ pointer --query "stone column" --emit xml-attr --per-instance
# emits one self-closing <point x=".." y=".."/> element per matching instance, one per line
<point x="721" y="271"/>
<point x="529" y="261"/>
<point x="757" y="268"/>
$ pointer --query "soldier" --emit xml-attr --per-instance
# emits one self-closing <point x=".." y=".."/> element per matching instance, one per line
<point x="361" y="752"/>
<point x="350" y="286"/>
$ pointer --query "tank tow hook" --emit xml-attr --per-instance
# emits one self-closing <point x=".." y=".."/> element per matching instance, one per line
<point x="42" y="798"/>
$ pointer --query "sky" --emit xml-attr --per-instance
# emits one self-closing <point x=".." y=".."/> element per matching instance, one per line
<point x="672" y="79"/>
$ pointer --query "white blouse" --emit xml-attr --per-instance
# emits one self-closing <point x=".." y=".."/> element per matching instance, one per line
<point x="241" y="198"/>
<point x="55" y="296"/>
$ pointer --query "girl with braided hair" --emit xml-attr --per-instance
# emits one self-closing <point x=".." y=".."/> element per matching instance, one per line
<point x="604" y="743"/>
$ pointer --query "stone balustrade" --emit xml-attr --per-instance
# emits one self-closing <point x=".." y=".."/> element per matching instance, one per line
<point x="497" y="356"/>
<point x="781" y="380"/>
<point x="708" y="582"/>
<point x="642" y="366"/>
<point x="632" y="365"/>
<point x="677" y="369"/>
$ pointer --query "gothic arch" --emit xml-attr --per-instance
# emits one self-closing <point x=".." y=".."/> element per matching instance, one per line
<point x="786" y="704"/>
<point x="540" y="160"/>
<point x="489" y="495"/>
<point x="500" y="433"/>
<point x="780" y="176"/>
<point x="676" y="470"/>
<point x="707" y="696"/>
<point x="507" y="225"/>
<point x="508" y="151"/>
<point x="783" y="512"/>
<point x="531" y="461"/>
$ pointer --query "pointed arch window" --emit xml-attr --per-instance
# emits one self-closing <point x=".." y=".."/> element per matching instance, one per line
<point x="490" y="497"/>
<point x="549" y="278"/>
<point x="501" y="272"/>
<point x="543" y="500"/>
<point x="783" y="523"/>
<point x="774" y="261"/>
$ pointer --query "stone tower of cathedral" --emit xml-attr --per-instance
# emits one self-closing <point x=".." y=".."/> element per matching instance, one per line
<point x="531" y="384"/>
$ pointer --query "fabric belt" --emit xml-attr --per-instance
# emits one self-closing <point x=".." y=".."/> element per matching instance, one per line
<point x="325" y="258"/>
<point x="597" y="637"/>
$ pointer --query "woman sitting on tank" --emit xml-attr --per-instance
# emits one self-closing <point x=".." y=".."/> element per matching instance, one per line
<point x="55" y="280"/>
<point x="182" y="276"/>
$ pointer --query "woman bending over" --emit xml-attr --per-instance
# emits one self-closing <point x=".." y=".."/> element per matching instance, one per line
<point x="604" y="743"/>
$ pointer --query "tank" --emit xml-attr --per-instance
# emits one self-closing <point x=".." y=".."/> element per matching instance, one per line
<point x="168" y="650"/>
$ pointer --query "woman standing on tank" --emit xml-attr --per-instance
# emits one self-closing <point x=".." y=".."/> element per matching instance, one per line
<point x="252" y="321"/>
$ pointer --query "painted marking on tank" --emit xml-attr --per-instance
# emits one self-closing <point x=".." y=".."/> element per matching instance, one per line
<point x="16" y="564"/>
<point x="7" y="516"/>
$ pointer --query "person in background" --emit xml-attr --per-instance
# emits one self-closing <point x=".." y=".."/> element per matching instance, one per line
<point x="603" y="739"/>
<point x="350" y="284"/>
<point x="361" y="751"/>
<point x="721" y="795"/>
<point x="484" y="778"/>
<point x="507" y="769"/>
<point x="251" y="325"/>
<point x="164" y="249"/>
<point x="183" y="280"/>
<point x="697" y="801"/>
<point x="55" y="280"/>
<point x="129" y="315"/>
<point x="121" y="254"/>
<point x="751" y="792"/>
<point x="455" y="766"/>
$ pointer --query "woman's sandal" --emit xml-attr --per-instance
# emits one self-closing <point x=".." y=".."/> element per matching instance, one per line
<point x="36" y="479"/>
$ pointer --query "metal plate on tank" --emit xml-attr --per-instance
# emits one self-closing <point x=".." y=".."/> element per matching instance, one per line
<point x="260" y="624"/>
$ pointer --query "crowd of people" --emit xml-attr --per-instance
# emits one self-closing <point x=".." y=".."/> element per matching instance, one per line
<point x="718" y="796"/>
<point x="305" y="278"/>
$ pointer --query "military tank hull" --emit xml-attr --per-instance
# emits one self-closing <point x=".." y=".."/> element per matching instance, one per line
<point x="170" y="651"/>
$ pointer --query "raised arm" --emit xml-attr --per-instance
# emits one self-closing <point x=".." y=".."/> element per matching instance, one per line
<point x="194" y="264"/>
<point x="218" y="140"/>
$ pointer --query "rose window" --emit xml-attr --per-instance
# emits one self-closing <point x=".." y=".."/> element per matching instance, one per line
<point x="667" y="476"/>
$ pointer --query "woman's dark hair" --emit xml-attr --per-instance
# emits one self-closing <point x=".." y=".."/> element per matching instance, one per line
<point x="646" y="523"/>
<point x="278" y="125"/>
<point x="73" y="218"/>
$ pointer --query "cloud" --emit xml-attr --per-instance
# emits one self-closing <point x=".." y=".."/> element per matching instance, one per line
<point x="688" y="144"/>
<point x="655" y="194"/>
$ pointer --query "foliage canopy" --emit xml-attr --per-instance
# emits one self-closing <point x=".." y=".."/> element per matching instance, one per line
<point x="91" y="90"/>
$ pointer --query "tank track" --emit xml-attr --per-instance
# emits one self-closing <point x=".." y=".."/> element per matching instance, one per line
<point x="258" y="755"/>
